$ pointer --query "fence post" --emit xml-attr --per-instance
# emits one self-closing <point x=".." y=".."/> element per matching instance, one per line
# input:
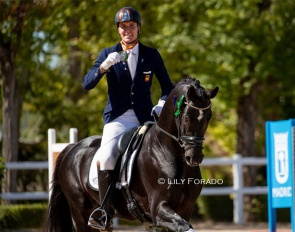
<point x="53" y="150"/>
<point x="51" y="140"/>
<point x="73" y="135"/>
<point x="238" y="189"/>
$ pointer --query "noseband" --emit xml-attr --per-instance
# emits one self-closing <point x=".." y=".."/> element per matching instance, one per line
<point x="187" y="141"/>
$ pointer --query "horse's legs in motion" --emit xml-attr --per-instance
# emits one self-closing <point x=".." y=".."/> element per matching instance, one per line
<point x="169" y="219"/>
<point x="102" y="217"/>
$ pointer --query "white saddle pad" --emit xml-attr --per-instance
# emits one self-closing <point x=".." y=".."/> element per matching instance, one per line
<point x="125" y="175"/>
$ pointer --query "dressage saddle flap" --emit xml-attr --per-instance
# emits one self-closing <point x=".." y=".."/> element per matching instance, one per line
<point x="125" y="139"/>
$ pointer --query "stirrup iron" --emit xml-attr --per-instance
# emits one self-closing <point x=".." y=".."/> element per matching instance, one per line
<point x="98" y="223"/>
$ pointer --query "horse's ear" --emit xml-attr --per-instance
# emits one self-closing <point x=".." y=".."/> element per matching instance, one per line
<point x="191" y="92"/>
<point x="213" y="93"/>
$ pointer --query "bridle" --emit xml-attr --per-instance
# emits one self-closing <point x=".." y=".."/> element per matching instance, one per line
<point x="184" y="141"/>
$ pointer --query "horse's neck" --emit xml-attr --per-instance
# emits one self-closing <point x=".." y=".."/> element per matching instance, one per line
<point x="170" y="130"/>
<point x="167" y="120"/>
<point x="167" y="123"/>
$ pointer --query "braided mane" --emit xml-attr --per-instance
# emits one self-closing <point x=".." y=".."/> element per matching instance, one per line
<point x="200" y="91"/>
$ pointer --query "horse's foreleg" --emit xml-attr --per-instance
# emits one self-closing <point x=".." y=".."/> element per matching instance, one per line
<point x="166" y="217"/>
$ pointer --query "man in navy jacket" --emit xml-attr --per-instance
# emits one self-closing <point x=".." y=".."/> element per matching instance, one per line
<point x="129" y="68"/>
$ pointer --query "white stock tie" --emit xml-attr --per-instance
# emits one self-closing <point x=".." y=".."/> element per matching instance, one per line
<point x="132" y="63"/>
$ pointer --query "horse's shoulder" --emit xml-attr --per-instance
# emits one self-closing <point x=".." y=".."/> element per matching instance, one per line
<point x="92" y="141"/>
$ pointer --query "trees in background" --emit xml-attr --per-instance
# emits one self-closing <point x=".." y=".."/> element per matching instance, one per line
<point x="245" y="47"/>
<point x="20" y="20"/>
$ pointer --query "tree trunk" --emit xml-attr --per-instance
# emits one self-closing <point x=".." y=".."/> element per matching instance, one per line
<point x="75" y="69"/>
<point x="75" y="52"/>
<point x="246" y="145"/>
<point x="9" y="46"/>
<point x="10" y="117"/>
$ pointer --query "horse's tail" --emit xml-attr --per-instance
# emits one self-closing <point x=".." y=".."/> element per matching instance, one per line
<point x="59" y="215"/>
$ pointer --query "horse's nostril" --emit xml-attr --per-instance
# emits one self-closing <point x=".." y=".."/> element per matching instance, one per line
<point x="188" y="159"/>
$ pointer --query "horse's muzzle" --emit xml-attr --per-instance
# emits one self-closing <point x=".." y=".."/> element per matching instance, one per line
<point x="193" y="159"/>
<point x="193" y="150"/>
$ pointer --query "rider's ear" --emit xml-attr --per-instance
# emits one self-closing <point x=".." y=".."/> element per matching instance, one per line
<point x="213" y="93"/>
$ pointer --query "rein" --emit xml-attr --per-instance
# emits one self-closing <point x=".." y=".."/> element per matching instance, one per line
<point x="170" y="135"/>
<point x="182" y="140"/>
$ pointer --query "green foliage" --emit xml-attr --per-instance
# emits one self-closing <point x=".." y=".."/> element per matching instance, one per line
<point x="214" y="41"/>
<point x="234" y="45"/>
<point x="22" y="216"/>
<point x="216" y="208"/>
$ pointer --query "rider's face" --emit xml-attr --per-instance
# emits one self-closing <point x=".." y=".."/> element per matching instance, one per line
<point x="128" y="31"/>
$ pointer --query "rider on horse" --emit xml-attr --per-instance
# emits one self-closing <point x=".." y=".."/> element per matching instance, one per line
<point x="129" y="67"/>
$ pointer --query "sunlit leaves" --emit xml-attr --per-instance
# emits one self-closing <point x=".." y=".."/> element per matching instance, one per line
<point x="231" y="44"/>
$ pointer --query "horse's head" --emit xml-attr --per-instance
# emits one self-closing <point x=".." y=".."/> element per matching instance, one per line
<point x="192" y="112"/>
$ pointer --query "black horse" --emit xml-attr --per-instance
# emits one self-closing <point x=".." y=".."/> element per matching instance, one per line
<point x="163" y="185"/>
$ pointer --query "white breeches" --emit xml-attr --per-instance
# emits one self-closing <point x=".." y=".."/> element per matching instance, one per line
<point x="108" y="152"/>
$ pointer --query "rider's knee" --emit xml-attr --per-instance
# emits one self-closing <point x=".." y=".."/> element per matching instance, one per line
<point x="107" y="163"/>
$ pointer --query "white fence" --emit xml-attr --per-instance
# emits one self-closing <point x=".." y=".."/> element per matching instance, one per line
<point x="53" y="150"/>
<point x="238" y="189"/>
<point x="26" y="195"/>
<point x="237" y="162"/>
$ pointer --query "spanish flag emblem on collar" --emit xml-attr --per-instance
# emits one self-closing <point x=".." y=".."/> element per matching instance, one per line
<point x="147" y="78"/>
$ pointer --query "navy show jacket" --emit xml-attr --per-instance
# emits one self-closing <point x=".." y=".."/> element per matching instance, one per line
<point x="125" y="93"/>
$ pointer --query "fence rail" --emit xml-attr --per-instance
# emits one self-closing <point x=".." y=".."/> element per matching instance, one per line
<point x="27" y="165"/>
<point x="237" y="190"/>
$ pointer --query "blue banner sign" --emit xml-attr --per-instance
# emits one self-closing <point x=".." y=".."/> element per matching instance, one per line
<point x="280" y="169"/>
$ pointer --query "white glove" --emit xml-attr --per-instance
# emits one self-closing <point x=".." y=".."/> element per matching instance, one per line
<point x="158" y="108"/>
<point x="112" y="59"/>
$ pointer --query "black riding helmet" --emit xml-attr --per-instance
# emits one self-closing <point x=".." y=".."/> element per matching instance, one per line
<point x="127" y="14"/>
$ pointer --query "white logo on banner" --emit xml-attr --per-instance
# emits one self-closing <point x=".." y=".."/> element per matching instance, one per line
<point x="281" y="157"/>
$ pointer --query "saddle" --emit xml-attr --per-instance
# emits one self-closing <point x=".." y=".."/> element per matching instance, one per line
<point x="125" y="139"/>
<point x="129" y="146"/>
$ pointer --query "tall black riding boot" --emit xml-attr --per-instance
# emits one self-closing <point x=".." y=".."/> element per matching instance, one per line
<point x="102" y="217"/>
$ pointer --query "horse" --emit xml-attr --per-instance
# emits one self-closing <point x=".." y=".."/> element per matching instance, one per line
<point x="163" y="185"/>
